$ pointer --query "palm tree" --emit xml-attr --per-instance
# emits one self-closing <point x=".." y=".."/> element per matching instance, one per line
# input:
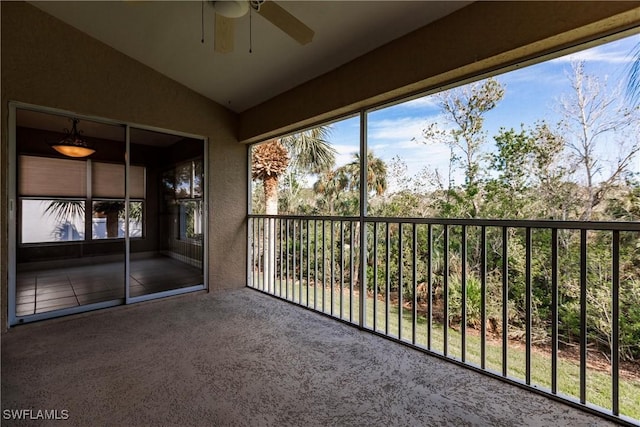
<point x="376" y="179"/>
<point x="330" y="185"/>
<point x="376" y="174"/>
<point x="349" y="178"/>
<point x="307" y="151"/>
<point x="310" y="151"/>
<point x="65" y="212"/>
<point x="269" y="161"/>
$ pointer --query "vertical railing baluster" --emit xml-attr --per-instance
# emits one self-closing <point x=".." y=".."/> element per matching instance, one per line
<point x="400" y="280"/>
<point x="281" y="243"/>
<point x="293" y="271"/>
<point x="333" y="278"/>
<point x="363" y="273"/>
<point x="414" y="261"/>
<point x="269" y="265"/>
<point x="463" y="321"/>
<point x="615" y="327"/>
<point x="308" y="260"/>
<point x="250" y="252"/>
<point x="429" y="283"/>
<point x="276" y="256"/>
<point x="505" y="300"/>
<point x="301" y="276"/>
<point x="375" y="276"/>
<point x="254" y="254"/>
<point x="554" y="310"/>
<point x="352" y="270"/>
<point x="315" y="264"/>
<point x="258" y="255"/>
<point x="527" y="279"/>
<point x="265" y="253"/>
<point x="274" y="245"/>
<point x="324" y="264"/>
<point x="483" y="297"/>
<point x="445" y="291"/>
<point x="261" y="258"/>
<point x="583" y="316"/>
<point x="341" y="266"/>
<point x="288" y="273"/>
<point x="388" y="279"/>
<point x="261" y="252"/>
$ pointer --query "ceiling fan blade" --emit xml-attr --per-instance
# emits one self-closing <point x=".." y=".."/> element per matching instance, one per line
<point x="286" y="22"/>
<point x="223" y="37"/>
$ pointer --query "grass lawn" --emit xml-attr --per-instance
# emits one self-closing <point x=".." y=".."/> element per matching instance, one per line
<point x="346" y="306"/>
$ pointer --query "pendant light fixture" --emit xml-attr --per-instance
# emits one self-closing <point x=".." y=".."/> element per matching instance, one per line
<point x="72" y="144"/>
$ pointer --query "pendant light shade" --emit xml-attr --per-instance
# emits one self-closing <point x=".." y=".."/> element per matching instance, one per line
<point x="72" y="145"/>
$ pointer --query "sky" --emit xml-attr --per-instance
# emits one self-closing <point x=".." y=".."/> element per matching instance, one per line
<point x="532" y="93"/>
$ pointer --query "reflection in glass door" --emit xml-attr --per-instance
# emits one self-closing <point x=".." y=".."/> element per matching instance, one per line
<point x="69" y="248"/>
<point x="170" y="255"/>
<point x="85" y="216"/>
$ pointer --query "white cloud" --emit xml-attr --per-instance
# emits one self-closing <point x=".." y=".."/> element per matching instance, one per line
<point x="422" y="102"/>
<point x="378" y="147"/>
<point x="394" y="131"/>
<point x="344" y="153"/>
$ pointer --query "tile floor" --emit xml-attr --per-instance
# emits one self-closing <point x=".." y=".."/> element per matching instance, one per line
<point x="54" y="289"/>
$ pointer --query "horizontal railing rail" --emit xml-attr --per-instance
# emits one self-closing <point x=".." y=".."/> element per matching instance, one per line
<point x="511" y="223"/>
<point x="539" y="303"/>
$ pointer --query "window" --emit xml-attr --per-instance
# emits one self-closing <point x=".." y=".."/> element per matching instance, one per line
<point x="190" y="219"/>
<point x="108" y="213"/>
<point x="50" y="220"/>
<point x="183" y="189"/>
<point x="52" y="204"/>
<point x="108" y="219"/>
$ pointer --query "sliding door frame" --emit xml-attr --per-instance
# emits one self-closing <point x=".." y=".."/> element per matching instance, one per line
<point x="12" y="181"/>
<point x="205" y="245"/>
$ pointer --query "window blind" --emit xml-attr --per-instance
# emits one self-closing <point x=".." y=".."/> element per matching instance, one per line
<point x="50" y="177"/>
<point x="107" y="180"/>
<point x="54" y="177"/>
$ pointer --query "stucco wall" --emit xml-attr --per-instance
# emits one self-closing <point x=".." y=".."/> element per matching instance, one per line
<point x="47" y="62"/>
<point x="483" y="36"/>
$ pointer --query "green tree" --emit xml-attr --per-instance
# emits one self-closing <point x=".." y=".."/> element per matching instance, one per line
<point x="507" y="192"/>
<point x="464" y="110"/>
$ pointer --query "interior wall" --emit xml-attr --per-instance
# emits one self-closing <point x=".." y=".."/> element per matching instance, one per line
<point x="484" y="36"/>
<point x="47" y="62"/>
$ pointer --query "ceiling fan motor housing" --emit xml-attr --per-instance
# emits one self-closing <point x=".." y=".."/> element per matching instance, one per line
<point x="231" y="9"/>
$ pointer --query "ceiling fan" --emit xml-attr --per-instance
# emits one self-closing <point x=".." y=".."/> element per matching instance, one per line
<point x="227" y="11"/>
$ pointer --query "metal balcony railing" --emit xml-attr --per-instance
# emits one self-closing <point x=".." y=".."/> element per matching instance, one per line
<point x="539" y="304"/>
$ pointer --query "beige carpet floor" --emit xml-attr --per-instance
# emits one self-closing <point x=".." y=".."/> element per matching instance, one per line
<point x="241" y="358"/>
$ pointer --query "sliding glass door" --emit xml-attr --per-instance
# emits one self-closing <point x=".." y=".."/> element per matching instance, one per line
<point x="70" y="251"/>
<point x="170" y="254"/>
<point x="102" y="214"/>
